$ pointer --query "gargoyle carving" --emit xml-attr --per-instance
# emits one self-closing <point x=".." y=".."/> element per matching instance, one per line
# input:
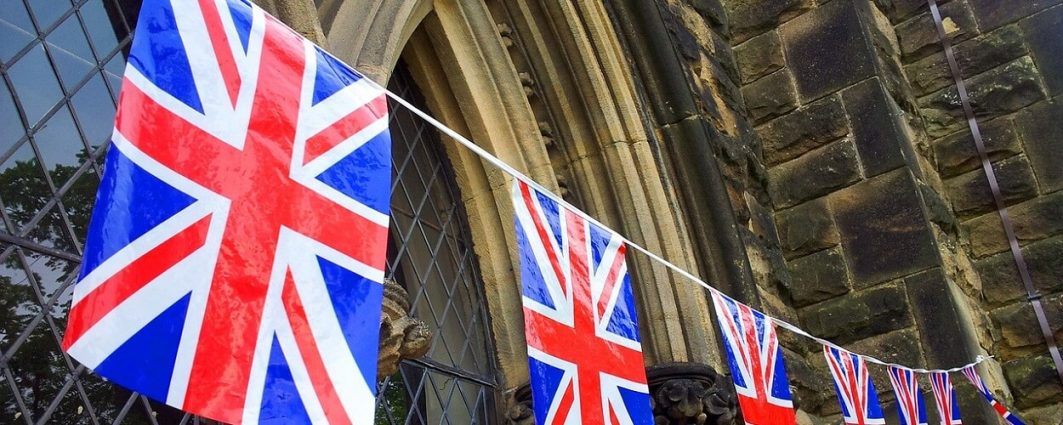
<point x="401" y="336"/>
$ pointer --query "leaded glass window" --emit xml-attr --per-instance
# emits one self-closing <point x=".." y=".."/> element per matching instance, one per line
<point x="61" y="62"/>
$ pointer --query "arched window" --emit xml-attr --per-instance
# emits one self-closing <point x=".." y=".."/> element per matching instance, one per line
<point x="431" y="255"/>
<point x="61" y="64"/>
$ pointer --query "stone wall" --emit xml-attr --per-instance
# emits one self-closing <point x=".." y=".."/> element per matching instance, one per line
<point x="882" y="212"/>
<point x="1010" y="55"/>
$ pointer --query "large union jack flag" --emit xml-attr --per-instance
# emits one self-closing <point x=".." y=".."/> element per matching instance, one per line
<point x="852" y="383"/>
<point x="584" y="351"/>
<point x="945" y="398"/>
<point x="911" y="409"/>
<point x="235" y="254"/>
<point x="972" y="375"/>
<point x="756" y="362"/>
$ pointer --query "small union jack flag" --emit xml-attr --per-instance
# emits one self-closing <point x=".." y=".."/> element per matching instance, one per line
<point x="584" y="351"/>
<point x="856" y="392"/>
<point x="910" y="405"/>
<point x="756" y="362"/>
<point x="976" y="380"/>
<point x="234" y="259"/>
<point x="945" y="398"/>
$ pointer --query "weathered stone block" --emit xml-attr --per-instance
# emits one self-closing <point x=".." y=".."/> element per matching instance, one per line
<point x="1033" y="220"/>
<point x="883" y="214"/>
<point x="814" y="392"/>
<point x="813" y="175"/>
<point x="973" y="56"/>
<point x="1000" y="278"/>
<point x="1017" y="322"/>
<point x="994" y="13"/>
<point x="898" y="10"/>
<point x="859" y="315"/>
<point x="1042" y="34"/>
<point x="751" y="17"/>
<point x="970" y="192"/>
<point x="827" y="49"/>
<point x="770" y="96"/>
<point x="1041" y="127"/>
<point x="759" y="56"/>
<point x="818" y="277"/>
<point x="803" y="130"/>
<point x="1002" y="90"/>
<point x="941" y="327"/>
<point x="919" y="36"/>
<point x="806" y="228"/>
<point x="956" y="153"/>
<point x="902" y="347"/>
<point x="877" y="132"/>
<point x="1033" y="381"/>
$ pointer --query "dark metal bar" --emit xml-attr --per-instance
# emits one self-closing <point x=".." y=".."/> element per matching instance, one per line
<point x="994" y="186"/>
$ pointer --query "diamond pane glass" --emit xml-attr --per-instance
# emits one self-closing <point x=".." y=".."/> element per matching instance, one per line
<point x="431" y="256"/>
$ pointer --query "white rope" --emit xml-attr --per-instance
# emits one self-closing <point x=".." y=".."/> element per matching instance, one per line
<point x="508" y="169"/>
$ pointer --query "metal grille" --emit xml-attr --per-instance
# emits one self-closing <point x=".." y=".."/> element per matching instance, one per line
<point x="431" y="255"/>
<point x="61" y="62"/>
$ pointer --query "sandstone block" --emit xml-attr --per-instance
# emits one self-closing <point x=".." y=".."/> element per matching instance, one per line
<point x="970" y="192"/>
<point x="813" y="175"/>
<point x="973" y="56"/>
<point x="1017" y="322"/>
<point x="806" y="228"/>
<point x="1033" y="381"/>
<point x="919" y="37"/>
<point x="956" y="153"/>
<point x="818" y="277"/>
<point x="1042" y="34"/>
<point x="770" y="96"/>
<point x="1002" y="90"/>
<point x="883" y="214"/>
<point x="898" y="10"/>
<point x="877" y="133"/>
<point x="1041" y="127"/>
<point x="1033" y="220"/>
<point x="1000" y="278"/>
<point x="994" y="13"/>
<point x="859" y="315"/>
<point x="759" y="56"/>
<point x="751" y="17"/>
<point x="827" y="49"/>
<point x="803" y="130"/>
<point x="940" y="324"/>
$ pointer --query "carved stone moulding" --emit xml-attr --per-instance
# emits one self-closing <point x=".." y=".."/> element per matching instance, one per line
<point x="691" y="394"/>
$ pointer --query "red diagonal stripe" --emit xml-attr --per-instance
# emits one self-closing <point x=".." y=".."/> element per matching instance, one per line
<point x="345" y="128"/>
<point x="308" y="350"/>
<point x="220" y="42"/>
<point x="119" y="287"/>
<point x="166" y="138"/>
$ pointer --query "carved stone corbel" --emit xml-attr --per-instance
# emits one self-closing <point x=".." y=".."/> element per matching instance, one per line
<point x="401" y="336"/>
<point x="691" y="394"/>
<point x="520" y="407"/>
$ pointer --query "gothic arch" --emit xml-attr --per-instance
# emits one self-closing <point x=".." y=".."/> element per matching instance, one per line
<point x="461" y="54"/>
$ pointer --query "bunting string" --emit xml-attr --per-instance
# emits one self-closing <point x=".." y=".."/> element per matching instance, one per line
<point x="513" y="172"/>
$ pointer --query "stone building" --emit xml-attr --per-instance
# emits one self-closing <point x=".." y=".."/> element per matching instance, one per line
<point x="810" y="158"/>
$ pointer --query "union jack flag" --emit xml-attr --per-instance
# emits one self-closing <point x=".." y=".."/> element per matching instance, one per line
<point x="976" y="380"/>
<point x="852" y="383"/>
<point x="945" y="398"/>
<point x="910" y="405"/>
<point x="584" y="351"/>
<point x="234" y="259"/>
<point x="756" y="362"/>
